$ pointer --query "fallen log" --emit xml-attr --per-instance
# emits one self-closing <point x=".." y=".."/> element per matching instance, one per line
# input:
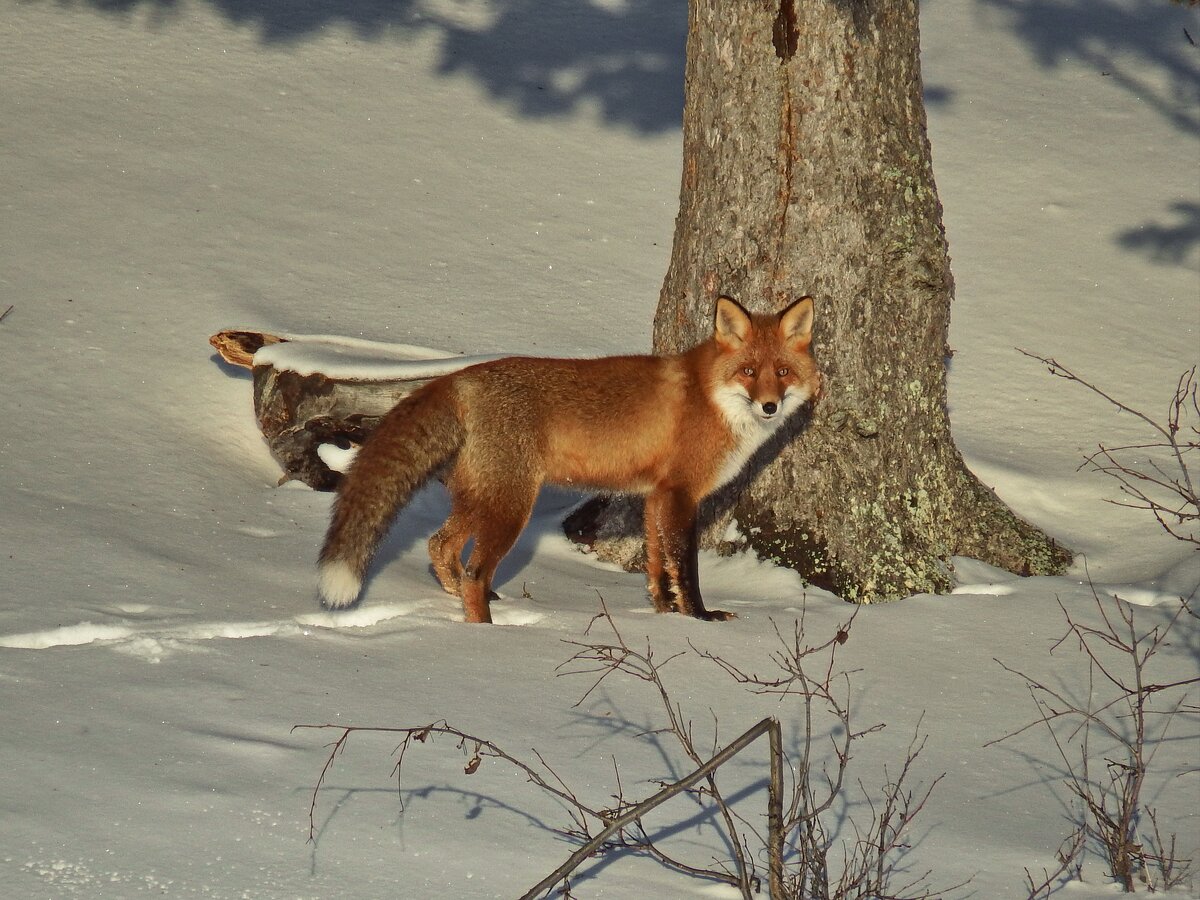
<point x="316" y="395"/>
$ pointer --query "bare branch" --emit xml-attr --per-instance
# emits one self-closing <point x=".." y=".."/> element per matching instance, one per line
<point x="635" y="814"/>
<point x="1112" y="808"/>
<point x="1170" y="496"/>
<point x="481" y="748"/>
<point x="867" y="867"/>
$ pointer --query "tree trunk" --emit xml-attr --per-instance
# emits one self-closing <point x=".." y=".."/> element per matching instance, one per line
<point x="806" y="169"/>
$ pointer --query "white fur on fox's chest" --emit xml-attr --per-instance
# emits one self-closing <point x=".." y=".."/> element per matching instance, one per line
<point x="749" y="430"/>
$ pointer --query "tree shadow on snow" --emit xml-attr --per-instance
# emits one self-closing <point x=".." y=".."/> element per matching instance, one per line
<point x="1152" y="55"/>
<point x="626" y="57"/>
<point x="1147" y="53"/>
<point x="546" y="59"/>
<point x="1168" y="242"/>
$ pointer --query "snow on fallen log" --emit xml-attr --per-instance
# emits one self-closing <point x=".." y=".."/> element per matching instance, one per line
<point x="316" y="396"/>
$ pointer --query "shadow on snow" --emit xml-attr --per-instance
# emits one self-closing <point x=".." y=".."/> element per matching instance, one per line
<point x="544" y="58"/>
<point x="1150" y="52"/>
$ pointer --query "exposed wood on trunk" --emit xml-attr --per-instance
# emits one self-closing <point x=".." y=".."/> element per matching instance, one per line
<point x="238" y="347"/>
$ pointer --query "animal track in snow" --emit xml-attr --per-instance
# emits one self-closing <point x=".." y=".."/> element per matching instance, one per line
<point x="256" y="531"/>
<point x="152" y="643"/>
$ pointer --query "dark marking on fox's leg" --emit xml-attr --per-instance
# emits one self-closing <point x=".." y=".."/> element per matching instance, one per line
<point x="681" y="549"/>
<point x="690" y="601"/>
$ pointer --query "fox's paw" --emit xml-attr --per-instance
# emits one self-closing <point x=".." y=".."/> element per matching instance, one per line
<point x="696" y="610"/>
<point x="716" y="615"/>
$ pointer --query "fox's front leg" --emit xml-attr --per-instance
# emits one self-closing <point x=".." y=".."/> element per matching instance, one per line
<point x="679" y="546"/>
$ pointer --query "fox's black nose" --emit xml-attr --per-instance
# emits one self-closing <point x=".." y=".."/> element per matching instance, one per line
<point x="769" y="408"/>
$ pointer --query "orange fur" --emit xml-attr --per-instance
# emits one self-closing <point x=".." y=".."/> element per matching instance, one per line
<point x="673" y="428"/>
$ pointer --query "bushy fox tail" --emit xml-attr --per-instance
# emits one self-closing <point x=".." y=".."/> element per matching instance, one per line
<point x="411" y="442"/>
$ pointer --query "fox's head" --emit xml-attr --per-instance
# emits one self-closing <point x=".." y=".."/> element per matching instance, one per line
<point x="765" y="369"/>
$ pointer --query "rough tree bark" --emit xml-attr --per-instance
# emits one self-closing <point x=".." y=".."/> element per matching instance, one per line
<point x="806" y="169"/>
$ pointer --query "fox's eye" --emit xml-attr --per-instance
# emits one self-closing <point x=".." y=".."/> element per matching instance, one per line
<point x="781" y="372"/>
<point x="748" y="371"/>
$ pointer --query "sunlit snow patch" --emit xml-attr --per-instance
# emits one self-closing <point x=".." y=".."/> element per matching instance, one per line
<point x="1179" y="581"/>
<point x="995" y="590"/>
<point x="342" y="357"/>
<point x="359" y="617"/>
<point x="980" y="579"/>
<point x="154" y="643"/>
<point x="67" y="636"/>
<point x="508" y="615"/>
<point x="719" y="892"/>
<point x="151" y="649"/>
<point x="1139" y="596"/>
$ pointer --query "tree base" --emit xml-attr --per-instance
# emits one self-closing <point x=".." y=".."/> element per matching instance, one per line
<point x="611" y="527"/>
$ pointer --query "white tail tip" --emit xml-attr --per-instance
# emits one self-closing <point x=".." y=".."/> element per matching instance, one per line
<point x="339" y="584"/>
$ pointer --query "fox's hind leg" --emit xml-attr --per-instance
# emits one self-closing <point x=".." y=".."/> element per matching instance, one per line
<point x="447" y="544"/>
<point x="446" y="548"/>
<point x="495" y="530"/>
<point x="657" y="580"/>
<point x="489" y="549"/>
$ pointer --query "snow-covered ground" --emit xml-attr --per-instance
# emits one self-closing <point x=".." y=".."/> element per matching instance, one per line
<point x="483" y="177"/>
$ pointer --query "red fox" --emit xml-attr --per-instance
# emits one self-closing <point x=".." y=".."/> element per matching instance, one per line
<point x="673" y="428"/>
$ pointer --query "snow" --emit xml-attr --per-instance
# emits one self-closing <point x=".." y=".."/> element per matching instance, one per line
<point x="349" y="358"/>
<point x="487" y="178"/>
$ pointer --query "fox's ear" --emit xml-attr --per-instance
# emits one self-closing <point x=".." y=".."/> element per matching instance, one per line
<point x="732" y="324"/>
<point x="795" y="322"/>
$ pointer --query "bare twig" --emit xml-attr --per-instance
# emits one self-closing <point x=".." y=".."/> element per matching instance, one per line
<point x="1112" y="809"/>
<point x="769" y="726"/>
<point x="1167" y="491"/>
<point x="867" y="867"/>
<point x="618" y="657"/>
<point x="481" y="748"/>
<point x="1069" y="866"/>
<point x="867" y="864"/>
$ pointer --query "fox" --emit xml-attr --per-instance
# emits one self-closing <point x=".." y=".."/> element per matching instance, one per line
<point x="672" y="428"/>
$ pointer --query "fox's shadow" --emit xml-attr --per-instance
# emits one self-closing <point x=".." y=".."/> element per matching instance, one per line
<point x="429" y="508"/>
